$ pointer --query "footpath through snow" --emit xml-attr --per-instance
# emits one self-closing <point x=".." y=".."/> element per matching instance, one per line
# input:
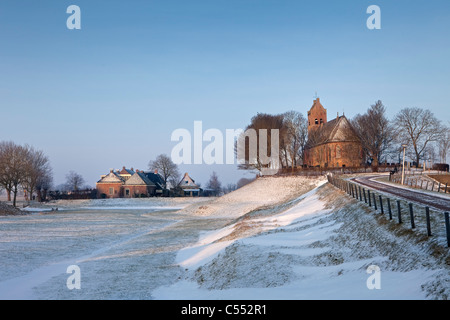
<point x="318" y="246"/>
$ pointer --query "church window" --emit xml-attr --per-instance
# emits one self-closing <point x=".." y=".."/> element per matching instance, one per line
<point x="316" y="121"/>
<point x="338" y="152"/>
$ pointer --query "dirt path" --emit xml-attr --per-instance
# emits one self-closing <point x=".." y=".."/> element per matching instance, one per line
<point x="426" y="199"/>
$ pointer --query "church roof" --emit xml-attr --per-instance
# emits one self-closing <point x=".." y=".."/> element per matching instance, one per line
<point x="336" y="130"/>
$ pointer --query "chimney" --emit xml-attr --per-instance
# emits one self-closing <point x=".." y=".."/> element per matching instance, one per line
<point x="156" y="171"/>
<point x="132" y="169"/>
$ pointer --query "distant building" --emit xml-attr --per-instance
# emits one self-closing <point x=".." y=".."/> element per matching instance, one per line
<point x="127" y="183"/>
<point x="332" y="143"/>
<point x="188" y="187"/>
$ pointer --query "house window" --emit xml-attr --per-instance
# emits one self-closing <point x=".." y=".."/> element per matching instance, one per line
<point x="316" y="121"/>
<point x="111" y="191"/>
<point x="127" y="192"/>
<point x="321" y="121"/>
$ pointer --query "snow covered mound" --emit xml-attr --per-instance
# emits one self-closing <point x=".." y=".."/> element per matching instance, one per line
<point x="321" y="247"/>
<point x="263" y="192"/>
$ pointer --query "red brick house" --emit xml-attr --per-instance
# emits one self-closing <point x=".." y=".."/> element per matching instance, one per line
<point x="331" y="144"/>
<point x="128" y="183"/>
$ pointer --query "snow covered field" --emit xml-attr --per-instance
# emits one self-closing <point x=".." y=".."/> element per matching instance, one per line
<point x="277" y="238"/>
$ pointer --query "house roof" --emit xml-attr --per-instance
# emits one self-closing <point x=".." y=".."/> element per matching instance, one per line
<point x="111" y="177"/>
<point x="187" y="182"/>
<point x="127" y="171"/>
<point x="139" y="179"/>
<point x="156" y="179"/>
<point x="336" y="130"/>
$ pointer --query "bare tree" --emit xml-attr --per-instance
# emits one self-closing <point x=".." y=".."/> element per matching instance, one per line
<point x="230" y="187"/>
<point x="444" y="146"/>
<point x="43" y="184"/>
<point x="418" y="128"/>
<point x="37" y="170"/>
<point x="375" y="132"/>
<point x="296" y="134"/>
<point x="13" y="159"/>
<point x="168" y="170"/>
<point x="251" y="155"/>
<point x="74" y="181"/>
<point x="214" y="183"/>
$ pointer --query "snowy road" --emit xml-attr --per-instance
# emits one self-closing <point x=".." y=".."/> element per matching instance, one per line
<point x="435" y="201"/>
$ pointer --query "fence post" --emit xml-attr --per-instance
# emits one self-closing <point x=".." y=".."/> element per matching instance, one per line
<point x="374" y="201"/>
<point x="399" y="212"/>
<point x="445" y="190"/>
<point x="447" y="227"/>
<point x="360" y="195"/>
<point x="411" y="213"/>
<point x="432" y="186"/>
<point x="364" y="192"/>
<point x="389" y="208"/>
<point x="381" y="205"/>
<point x="427" y="213"/>
<point x="426" y="187"/>
<point x="439" y="187"/>
<point x="368" y="196"/>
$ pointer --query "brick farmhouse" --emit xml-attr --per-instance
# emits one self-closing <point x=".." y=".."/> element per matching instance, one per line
<point x="127" y="183"/>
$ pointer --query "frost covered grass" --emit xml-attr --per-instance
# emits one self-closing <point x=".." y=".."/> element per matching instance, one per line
<point x="276" y="238"/>
<point x="319" y="248"/>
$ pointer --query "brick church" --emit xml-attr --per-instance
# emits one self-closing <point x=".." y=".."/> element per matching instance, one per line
<point x="331" y="144"/>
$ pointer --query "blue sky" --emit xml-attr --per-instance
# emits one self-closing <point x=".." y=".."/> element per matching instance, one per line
<point x="110" y="95"/>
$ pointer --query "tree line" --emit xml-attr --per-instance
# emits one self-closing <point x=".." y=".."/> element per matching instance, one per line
<point x="26" y="168"/>
<point x="171" y="176"/>
<point x="426" y="137"/>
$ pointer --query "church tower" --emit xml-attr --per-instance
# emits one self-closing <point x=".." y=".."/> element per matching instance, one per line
<point x="317" y="115"/>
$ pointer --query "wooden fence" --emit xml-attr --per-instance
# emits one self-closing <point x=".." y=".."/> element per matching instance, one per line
<point x="384" y="204"/>
<point x="418" y="183"/>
